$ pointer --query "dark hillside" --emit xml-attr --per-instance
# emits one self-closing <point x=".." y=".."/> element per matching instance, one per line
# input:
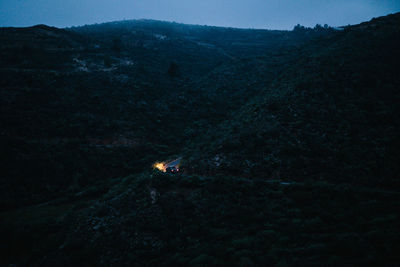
<point x="330" y="114"/>
<point x="116" y="97"/>
<point x="289" y="143"/>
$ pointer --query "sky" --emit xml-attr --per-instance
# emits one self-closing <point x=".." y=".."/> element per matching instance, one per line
<point x="263" y="14"/>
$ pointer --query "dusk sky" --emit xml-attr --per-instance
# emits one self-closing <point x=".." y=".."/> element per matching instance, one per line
<point x="270" y="14"/>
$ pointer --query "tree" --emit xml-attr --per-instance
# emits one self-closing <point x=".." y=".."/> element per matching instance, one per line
<point x="318" y="27"/>
<point x="299" y="28"/>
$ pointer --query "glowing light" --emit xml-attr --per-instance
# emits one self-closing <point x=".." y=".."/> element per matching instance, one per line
<point x="163" y="165"/>
<point x="160" y="166"/>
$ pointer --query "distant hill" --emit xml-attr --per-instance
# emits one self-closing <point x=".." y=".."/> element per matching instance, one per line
<point x="235" y="42"/>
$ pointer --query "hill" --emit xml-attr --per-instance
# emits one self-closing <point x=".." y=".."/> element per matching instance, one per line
<point x="289" y="142"/>
<point x="67" y="93"/>
<point x="329" y="113"/>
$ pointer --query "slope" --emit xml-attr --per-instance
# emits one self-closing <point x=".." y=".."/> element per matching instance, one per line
<point x="330" y="113"/>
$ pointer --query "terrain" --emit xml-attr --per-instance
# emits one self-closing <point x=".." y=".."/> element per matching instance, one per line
<point x="289" y="143"/>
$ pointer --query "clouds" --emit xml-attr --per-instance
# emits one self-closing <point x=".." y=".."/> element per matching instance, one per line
<point x="272" y="14"/>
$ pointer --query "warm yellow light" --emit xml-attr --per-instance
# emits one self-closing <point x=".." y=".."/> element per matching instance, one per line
<point x="163" y="165"/>
<point x="160" y="166"/>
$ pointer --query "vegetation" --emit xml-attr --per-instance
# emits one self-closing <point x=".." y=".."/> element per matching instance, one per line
<point x="289" y="142"/>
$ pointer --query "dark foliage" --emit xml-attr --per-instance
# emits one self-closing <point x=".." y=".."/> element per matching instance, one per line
<point x="289" y="141"/>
